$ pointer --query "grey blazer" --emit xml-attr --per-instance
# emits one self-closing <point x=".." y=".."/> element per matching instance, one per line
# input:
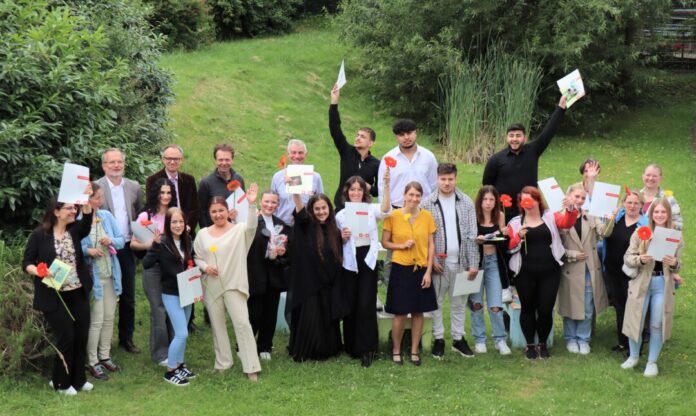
<point x="132" y="192"/>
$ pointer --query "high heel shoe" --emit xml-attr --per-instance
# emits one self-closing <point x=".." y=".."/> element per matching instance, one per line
<point x="400" y="360"/>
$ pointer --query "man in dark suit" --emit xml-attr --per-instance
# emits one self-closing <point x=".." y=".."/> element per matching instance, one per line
<point x="186" y="193"/>
<point x="124" y="199"/>
<point x="185" y="184"/>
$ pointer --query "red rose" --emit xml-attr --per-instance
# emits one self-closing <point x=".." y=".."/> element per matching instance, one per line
<point x="42" y="270"/>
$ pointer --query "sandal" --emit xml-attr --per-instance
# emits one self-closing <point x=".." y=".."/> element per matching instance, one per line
<point x="417" y="361"/>
<point x="400" y="361"/>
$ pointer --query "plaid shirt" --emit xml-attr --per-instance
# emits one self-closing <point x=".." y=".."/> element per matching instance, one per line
<point x="677" y="220"/>
<point x="466" y="229"/>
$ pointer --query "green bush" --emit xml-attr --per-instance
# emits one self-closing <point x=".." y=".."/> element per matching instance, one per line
<point x="250" y="18"/>
<point x="76" y="77"/>
<point x="408" y="45"/>
<point x="186" y="23"/>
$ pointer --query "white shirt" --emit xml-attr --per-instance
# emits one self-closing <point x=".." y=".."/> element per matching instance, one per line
<point x="285" y="204"/>
<point x="268" y="222"/>
<point x="422" y="168"/>
<point x="450" y="216"/>
<point x="118" y="197"/>
<point x="350" y="261"/>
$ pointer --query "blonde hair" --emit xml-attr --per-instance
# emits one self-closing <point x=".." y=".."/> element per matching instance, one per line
<point x="665" y="203"/>
<point x="576" y="187"/>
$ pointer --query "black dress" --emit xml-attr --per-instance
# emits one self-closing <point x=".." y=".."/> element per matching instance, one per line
<point x="315" y="298"/>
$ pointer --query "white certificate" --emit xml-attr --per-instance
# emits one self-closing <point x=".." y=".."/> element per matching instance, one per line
<point x="72" y="185"/>
<point x="341" y="81"/>
<point x="190" y="288"/>
<point x="357" y="214"/>
<point x="144" y="233"/>
<point x="300" y="179"/>
<point x="464" y="286"/>
<point x="664" y="243"/>
<point x="605" y="197"/>
<point x="237" y="200"/>
<point x="572" y="87"/>
<point x="553" y="194"/>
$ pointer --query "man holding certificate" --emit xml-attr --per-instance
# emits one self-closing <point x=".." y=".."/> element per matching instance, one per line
<point x="455" y="252"/>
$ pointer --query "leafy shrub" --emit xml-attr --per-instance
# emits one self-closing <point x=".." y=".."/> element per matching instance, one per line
<point x="185" y="23"/>
<point x="250" y="18"/>
<point x="409" y="44"/>
<point x="77" y="77"/>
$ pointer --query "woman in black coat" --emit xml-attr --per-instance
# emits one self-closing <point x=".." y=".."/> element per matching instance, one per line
<point x="267" y="264"/>
<point x="58" y="238"/>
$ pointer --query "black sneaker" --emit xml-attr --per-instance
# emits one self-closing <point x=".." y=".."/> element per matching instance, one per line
<point x="176" y="378"/>
<point x="98" y="371"/>
<point x="543" y="351"/>
<point x="530" y="352"/>
<point x="462" y="348"/>
<point x="438" y="348"/>
<point x="186" y="372"/>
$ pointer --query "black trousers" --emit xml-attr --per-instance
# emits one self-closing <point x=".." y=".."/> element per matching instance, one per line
<point x="360" y="334"/>
<point x="70" y="339"/>
<point x="537" y="289"/>
<point x="126" y="302"/>
<point x="618" y="283"/>
<point x="263" y="314"/>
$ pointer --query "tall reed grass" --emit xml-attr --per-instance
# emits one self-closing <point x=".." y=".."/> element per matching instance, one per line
<point x="481" y="98"/>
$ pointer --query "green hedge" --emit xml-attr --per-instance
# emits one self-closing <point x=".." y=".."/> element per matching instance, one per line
<point x="250" y="18"/>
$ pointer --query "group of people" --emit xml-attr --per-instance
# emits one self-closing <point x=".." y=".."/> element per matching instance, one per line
<point x="302" y="244"/>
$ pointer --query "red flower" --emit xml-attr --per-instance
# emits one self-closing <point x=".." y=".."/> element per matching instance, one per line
<point x="506" y="200"/>
<point x="644" y="233"/>
<point x="189" y="264"/>
<point x="42" y="270"/>
<point x="627" y="189"/>
<point x="390" y="161"/>
<point x="527" y="203"/>
<point x="233" y="185"/>
<point x="283" y="160"/>
<point x="145" y="223"/>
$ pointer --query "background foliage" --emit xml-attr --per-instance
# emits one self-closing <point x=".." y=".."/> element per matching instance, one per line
<point x="186" y="24"/>
<point x="251" y="18"/>
<point x="407" y="45"/>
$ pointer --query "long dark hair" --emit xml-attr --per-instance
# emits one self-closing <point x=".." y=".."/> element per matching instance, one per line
<point x="332" y="232"/>
<point x="152" y="206"/>
<point x="185" y="240"/>
<point x="363" y="185"/>
<point x="498" y="208"/>
<point x="49" y="218"/>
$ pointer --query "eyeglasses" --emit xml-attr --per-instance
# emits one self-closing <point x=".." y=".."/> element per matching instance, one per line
<point x="69" y="207"/>
<point x="114" y="162"/>
<point x="172" y="159"/>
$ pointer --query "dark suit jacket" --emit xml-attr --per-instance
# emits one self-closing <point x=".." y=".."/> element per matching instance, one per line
<point x="265" y="274"/>
<point x="188" y="195"/>
<point x="41" y="248"/>
<point x="132" y="192"/>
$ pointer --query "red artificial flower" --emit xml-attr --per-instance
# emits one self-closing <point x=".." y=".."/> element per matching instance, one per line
<point x="645" y="233"/>
<point x="506" y="200"/>
<point x="390" y="161"/>
<point x="527" y="203"/>
<point x="627" y="189"/>
<point x="233" y="185"/>
<point x="283" y="160"/>
<point x="145" y="223"/>
<point x="42" y="270"/>
<point x="189" y="264"/>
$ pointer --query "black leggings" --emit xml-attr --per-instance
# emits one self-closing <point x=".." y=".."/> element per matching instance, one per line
<point x="537" y="290"/>
<point x="619" y="289"/>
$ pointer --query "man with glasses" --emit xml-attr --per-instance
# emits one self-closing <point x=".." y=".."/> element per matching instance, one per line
<point x="124" y="199"/>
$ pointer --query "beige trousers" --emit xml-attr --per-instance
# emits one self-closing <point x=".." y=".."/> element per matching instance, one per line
<point x="101" y="325"/>
<point x="235" y="302"/>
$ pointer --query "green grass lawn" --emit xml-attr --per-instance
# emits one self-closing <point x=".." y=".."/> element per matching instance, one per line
<point x="258" y="93"/>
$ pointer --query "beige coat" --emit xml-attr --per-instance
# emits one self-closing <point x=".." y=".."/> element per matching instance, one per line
<point x="571" y="292"/>
<point x="638" y="288"/>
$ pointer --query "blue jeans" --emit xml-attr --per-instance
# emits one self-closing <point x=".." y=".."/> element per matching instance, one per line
<point x="581" y="330"/>
<point x="654" y="298"/>
<point x="179" y="318"/>
<point x="494" y="299"/>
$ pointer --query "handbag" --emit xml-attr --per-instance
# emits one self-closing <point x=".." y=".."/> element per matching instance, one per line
<point x="629" y="271"/>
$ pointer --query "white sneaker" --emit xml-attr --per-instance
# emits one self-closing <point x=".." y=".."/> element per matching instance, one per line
<point x="87" y="386"/>
<point x="650" y="370"/>
<point x="480" y="348"/>
<point x="163" y="363"/>
<point x="265" y="356"/>
<point x="631" y="362"/>
<point x="507" y="295"/>
<point x="502" y="347"/>
<point x="572" y="347"/>
<point x="70" y="391"/>
<point x="584" y="348"/>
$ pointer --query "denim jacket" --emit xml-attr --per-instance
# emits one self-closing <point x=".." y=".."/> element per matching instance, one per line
<point x="117" y="241"/>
